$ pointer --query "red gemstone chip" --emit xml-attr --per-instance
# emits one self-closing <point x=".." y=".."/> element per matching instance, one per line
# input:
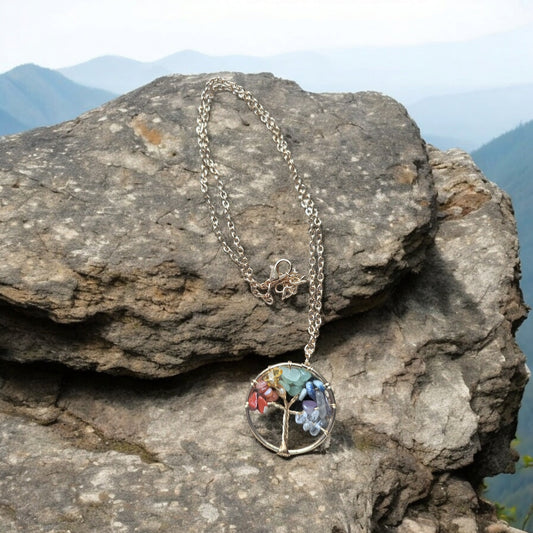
<point x="261" y="404"/>
<point x="252" y="401"/>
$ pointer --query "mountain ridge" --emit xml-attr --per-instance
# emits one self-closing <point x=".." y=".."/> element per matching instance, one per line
<point x="490" y="113"/>
<point x="441" y="84"/>
<point x="407" y="72"/>
<point x="35" y="96"/>
<point x="9" y="124"/>
<point x="121" y="74"/>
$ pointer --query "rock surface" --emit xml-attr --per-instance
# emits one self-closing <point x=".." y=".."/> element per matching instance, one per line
<point x="108" y="258"/>
<point x="428" y="381"/>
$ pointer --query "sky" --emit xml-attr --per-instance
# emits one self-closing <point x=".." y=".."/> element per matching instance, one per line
<point x="60" y="33"/>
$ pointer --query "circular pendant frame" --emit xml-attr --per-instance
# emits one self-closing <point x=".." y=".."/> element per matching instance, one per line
<point x="277" y="389"/>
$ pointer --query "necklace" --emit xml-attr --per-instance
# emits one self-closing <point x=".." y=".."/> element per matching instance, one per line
<point x="290" y="407"/>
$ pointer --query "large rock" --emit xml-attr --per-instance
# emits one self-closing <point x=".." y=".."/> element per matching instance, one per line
<point x="428" y="383"/>
<point x="108" y="259"/>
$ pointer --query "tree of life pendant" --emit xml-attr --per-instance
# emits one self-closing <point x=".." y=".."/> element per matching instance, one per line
<point x="290" y="408"/>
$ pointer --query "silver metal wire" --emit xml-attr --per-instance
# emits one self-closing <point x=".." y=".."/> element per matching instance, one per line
<point x="236" y="252"/>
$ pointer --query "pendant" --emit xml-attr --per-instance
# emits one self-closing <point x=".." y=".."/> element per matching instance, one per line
<point x="290" y="408"/>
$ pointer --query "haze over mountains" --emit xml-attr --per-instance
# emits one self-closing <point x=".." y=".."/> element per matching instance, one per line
<point x="9" y="124"/>
<point x="471" y="119"/>
<point x="407" y="73"/>
<point x="466" y="119"/>
<point x="460" y="94"/>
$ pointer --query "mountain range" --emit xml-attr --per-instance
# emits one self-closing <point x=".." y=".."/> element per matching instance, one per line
<point x="460" y="94"/>
<point x="473" y="118"/>
<point x="407" y="73"/>
<point x="9" y="124"/>
<point x="32" y="96"/>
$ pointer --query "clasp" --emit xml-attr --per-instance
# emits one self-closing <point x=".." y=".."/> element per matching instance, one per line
<point x="284" y="280"/>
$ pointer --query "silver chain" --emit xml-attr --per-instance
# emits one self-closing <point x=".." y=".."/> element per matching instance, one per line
<point x="285" y="281"/>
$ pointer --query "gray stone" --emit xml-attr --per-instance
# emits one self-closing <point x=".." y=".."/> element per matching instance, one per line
<point x="427" y="384"/>
<point x="108" y="261"/>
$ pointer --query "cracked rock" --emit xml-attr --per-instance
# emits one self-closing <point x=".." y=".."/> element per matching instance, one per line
<point x="428" y="385"/>
<point x="108" y="258"/>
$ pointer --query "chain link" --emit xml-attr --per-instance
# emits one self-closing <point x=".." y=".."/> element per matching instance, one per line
<point x="236" y="252"/>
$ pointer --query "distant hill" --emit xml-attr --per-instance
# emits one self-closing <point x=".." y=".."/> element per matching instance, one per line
<point x="460" y="93"/>
<point x="508" y="161"/>
<point x="32" y="96"/>
<point x="445" y="143"/>
<point x="121" y="74"/>
<point x="476" y="116"/>
<point x="407" y="73"/>
<point x="114" y="73"/>
<point x="8" y="124"/>
<point x="190" y="61"/>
